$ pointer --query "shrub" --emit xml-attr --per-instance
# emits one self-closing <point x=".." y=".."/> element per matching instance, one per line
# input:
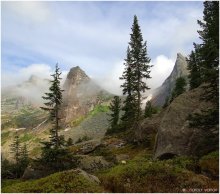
<point x="210" y="164"/>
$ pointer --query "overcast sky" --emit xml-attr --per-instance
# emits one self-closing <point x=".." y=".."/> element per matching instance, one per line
<point x="94" y="36"/>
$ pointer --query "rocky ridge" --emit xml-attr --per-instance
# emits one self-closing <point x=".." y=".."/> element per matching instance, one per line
<point x="180" y="70"/>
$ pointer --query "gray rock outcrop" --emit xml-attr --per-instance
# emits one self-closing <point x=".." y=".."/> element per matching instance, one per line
<point x="175" y="137"/>
<point x="92" y="163"/>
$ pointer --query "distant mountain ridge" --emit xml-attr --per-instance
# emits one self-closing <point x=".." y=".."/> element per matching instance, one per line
<point x="180" y="70"/>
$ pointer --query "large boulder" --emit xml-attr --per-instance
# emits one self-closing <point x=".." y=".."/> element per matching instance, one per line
<point x="148" y="128"/>
<point x="88" y="176"/>
<point x="35" y="172"/>
<point x="89" y="146"/>
<point x="175" y="137"/>
<point x="92" y="163"/>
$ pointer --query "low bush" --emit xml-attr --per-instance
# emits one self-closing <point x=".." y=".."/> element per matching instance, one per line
<point x="210" y="164"/>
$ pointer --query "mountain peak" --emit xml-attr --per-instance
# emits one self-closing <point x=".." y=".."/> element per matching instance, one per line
<point x="164" y="91"/>
<point x="76" y="75"/>
<point x="179" y="55"/>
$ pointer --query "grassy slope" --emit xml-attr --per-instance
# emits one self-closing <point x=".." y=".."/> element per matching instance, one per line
<point x="61" y="182"/>
<point x="145" y="175"/>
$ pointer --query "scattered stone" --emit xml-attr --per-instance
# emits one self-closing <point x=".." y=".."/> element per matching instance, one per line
<point x="34" y="173"/>
<point x="88" y="146"/>
<point x="92" y="163"/>
<point x="121" y="157"/>
<point x="88" y="176"/>
<point x="123" y="162"/>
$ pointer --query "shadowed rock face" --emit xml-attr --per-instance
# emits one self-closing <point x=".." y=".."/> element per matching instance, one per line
<point x="175" y="137"/>
<point x="179" y="70"/>
<point x="80" y="95"/>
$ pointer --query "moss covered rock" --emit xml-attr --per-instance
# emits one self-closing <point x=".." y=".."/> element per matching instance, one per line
<point x="72" y="181"/>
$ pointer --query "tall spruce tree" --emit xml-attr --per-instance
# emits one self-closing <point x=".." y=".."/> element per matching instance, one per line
<point x="129" y="102"/>
<point x="209" y="65"/>
<point x="210" y="49"/>
<point x="54" y="151"/>
<point x="136" y="72"/>
<point x="115" y="111"/>
<point x="54" y="100"/>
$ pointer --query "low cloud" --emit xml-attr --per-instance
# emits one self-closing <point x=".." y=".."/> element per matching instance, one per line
<point x="111" y="81"/>
<point x="162" y="67"/>
<point x="30" y="82"/>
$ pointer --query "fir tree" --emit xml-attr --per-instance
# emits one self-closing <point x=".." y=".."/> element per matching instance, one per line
<point x="137" y="70"/>
<point x="24" y="159"/>
<point x="210" y="50"/>
<point x="129" y="103"/>
<point x="194" y="68"/>
<point x="148" y="110"/>
<point x="54" y="98"/>
<point x="16" y="148"/>
<point x="54" y="151"/>
<point x="24" y="155"/>
<point x="209" y="65"/>
<point x="139" y="64"/>
<point x="180" y="87"/>
<point x="115" y="110"/>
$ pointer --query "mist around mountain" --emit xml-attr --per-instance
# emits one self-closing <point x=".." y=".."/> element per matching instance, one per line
<point x="86" y="139"/>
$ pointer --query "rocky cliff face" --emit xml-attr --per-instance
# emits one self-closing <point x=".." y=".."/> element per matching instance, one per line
<point x="80" y="95"/>
<point x="175" y="137"/>
<point x="164" y="91"/>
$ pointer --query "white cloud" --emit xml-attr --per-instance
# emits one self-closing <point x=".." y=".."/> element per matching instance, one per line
<point x="162" y="67"/>
<point x="111" y="81"/>
<point x="34" y="11"/>
<point x="19" y="75"/>
<point x="94" y="35"/>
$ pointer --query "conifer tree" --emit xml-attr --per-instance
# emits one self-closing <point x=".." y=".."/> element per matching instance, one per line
<point x="54" y="100"/>
<point x="24" y="156"/>
<point x="130" y="101"/>
<point x="194" y="68"/>
<point x="209" y="66"/>
<point x="16" y="148"/>
<point x="148" y="110"/>
<point x="115" y="110"/>
<point x="210" y="49"/>
<point x="180" y="87"/>
<point x="137" y="71"/>
<point x="54" y="151"/>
